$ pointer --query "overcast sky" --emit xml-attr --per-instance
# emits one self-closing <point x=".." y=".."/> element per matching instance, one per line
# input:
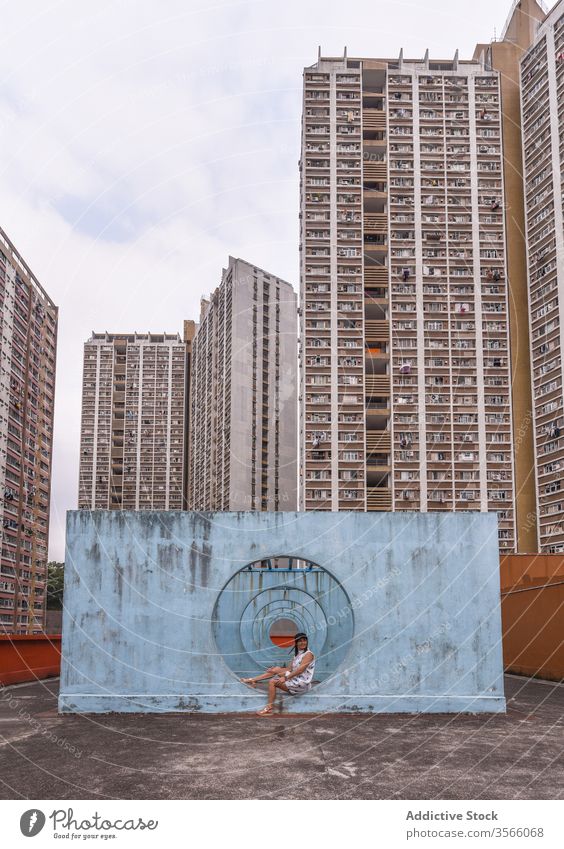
<point x="144" y="142"/>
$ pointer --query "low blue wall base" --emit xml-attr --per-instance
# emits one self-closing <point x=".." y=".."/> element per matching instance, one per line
<point x="311" y="703"/>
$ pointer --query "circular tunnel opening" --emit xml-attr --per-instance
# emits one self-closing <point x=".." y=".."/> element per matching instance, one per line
<point x="261" y="608"/>
<point x="282" y="632"/>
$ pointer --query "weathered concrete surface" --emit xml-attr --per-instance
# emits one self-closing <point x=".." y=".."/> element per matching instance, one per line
<point x="410" y="621"/>
<point x="517" y="755"/>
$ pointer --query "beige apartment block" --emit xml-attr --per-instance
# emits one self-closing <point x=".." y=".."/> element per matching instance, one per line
<point x="189" y="334"/>
<point x="504" y="55"/>
<point x="243" y="420"/>
<point x="28" y="343"/>
<point x="542" y="104"/>
<point x="405" y="360"/>
<point x="132" y="452"/>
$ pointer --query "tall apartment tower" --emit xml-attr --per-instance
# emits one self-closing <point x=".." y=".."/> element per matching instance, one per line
<point x="189" y="333"/>
<point x="28" y="341"/>
<point x="132" y="430"/>
<point x="243" y="434"/>
<point x="504" y="55"/>
<point x="542" y="101"/>
<point x="405" y="372"/>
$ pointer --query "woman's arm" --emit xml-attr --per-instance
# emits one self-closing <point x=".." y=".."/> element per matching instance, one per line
<point x="308" y="657"/>
<point x="287" y="667"/>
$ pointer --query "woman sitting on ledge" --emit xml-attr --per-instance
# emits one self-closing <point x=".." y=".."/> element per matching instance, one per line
<point x="294" y="679"/>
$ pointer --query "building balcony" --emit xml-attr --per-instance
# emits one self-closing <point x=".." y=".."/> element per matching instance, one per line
<point x="378" y="440"/>
<point x="376" y="274"/>
<point x="375" y="192"/>
<point x="376" y="350"/>
<point x="376" y="223"/>
<point x="377" y="330"/>
<point x="376" y="384"/>
<point x="378" y="407"/>
<point x="375" y="246"/>
<point x="376" y="295"/>
<point x="373" y="119"/>
<point x="378" y="464"/>
<point x="378" y="498"/>
<point x="374" y="171"/>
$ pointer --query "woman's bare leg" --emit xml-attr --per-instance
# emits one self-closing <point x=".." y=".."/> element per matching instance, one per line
<point x="274" y="670"/>
<point x="272" y="685"/>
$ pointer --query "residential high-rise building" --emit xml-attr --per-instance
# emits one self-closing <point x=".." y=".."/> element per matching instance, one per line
<point x="542" y="102"/>
<point x="28" y="342"/>
<point x="504" y="55"/>
<point x="405" y="362"/>
<point x="243" y="427"/>
<point x="189" y="333"/>
<point x="132" y="452"/>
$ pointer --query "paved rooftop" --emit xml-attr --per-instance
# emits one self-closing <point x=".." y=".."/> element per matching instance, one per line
<point x="178" y="756"/>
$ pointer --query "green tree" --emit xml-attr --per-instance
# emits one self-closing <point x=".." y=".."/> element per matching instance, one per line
<point x="55" y="578"/>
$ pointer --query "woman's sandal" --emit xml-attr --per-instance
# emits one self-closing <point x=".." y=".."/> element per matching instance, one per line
<point x="250" y="682"/>
<point x="265" y="711"/>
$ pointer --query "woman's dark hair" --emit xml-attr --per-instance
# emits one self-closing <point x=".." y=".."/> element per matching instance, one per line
<point x="300" y="636"/>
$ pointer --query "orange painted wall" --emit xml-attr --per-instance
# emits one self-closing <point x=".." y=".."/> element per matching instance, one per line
<point x="28" y="657"/>
<point x="532" y="612"/>
<point x="283" y="641"/>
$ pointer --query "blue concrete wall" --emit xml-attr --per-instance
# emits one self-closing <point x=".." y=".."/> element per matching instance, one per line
<point x="405" y="615"/>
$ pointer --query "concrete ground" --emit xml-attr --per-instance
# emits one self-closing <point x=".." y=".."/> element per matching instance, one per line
<point x="178" y="756"/>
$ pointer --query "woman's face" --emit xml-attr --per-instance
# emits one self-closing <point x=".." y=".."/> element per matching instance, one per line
<point x="302" y="644"/>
